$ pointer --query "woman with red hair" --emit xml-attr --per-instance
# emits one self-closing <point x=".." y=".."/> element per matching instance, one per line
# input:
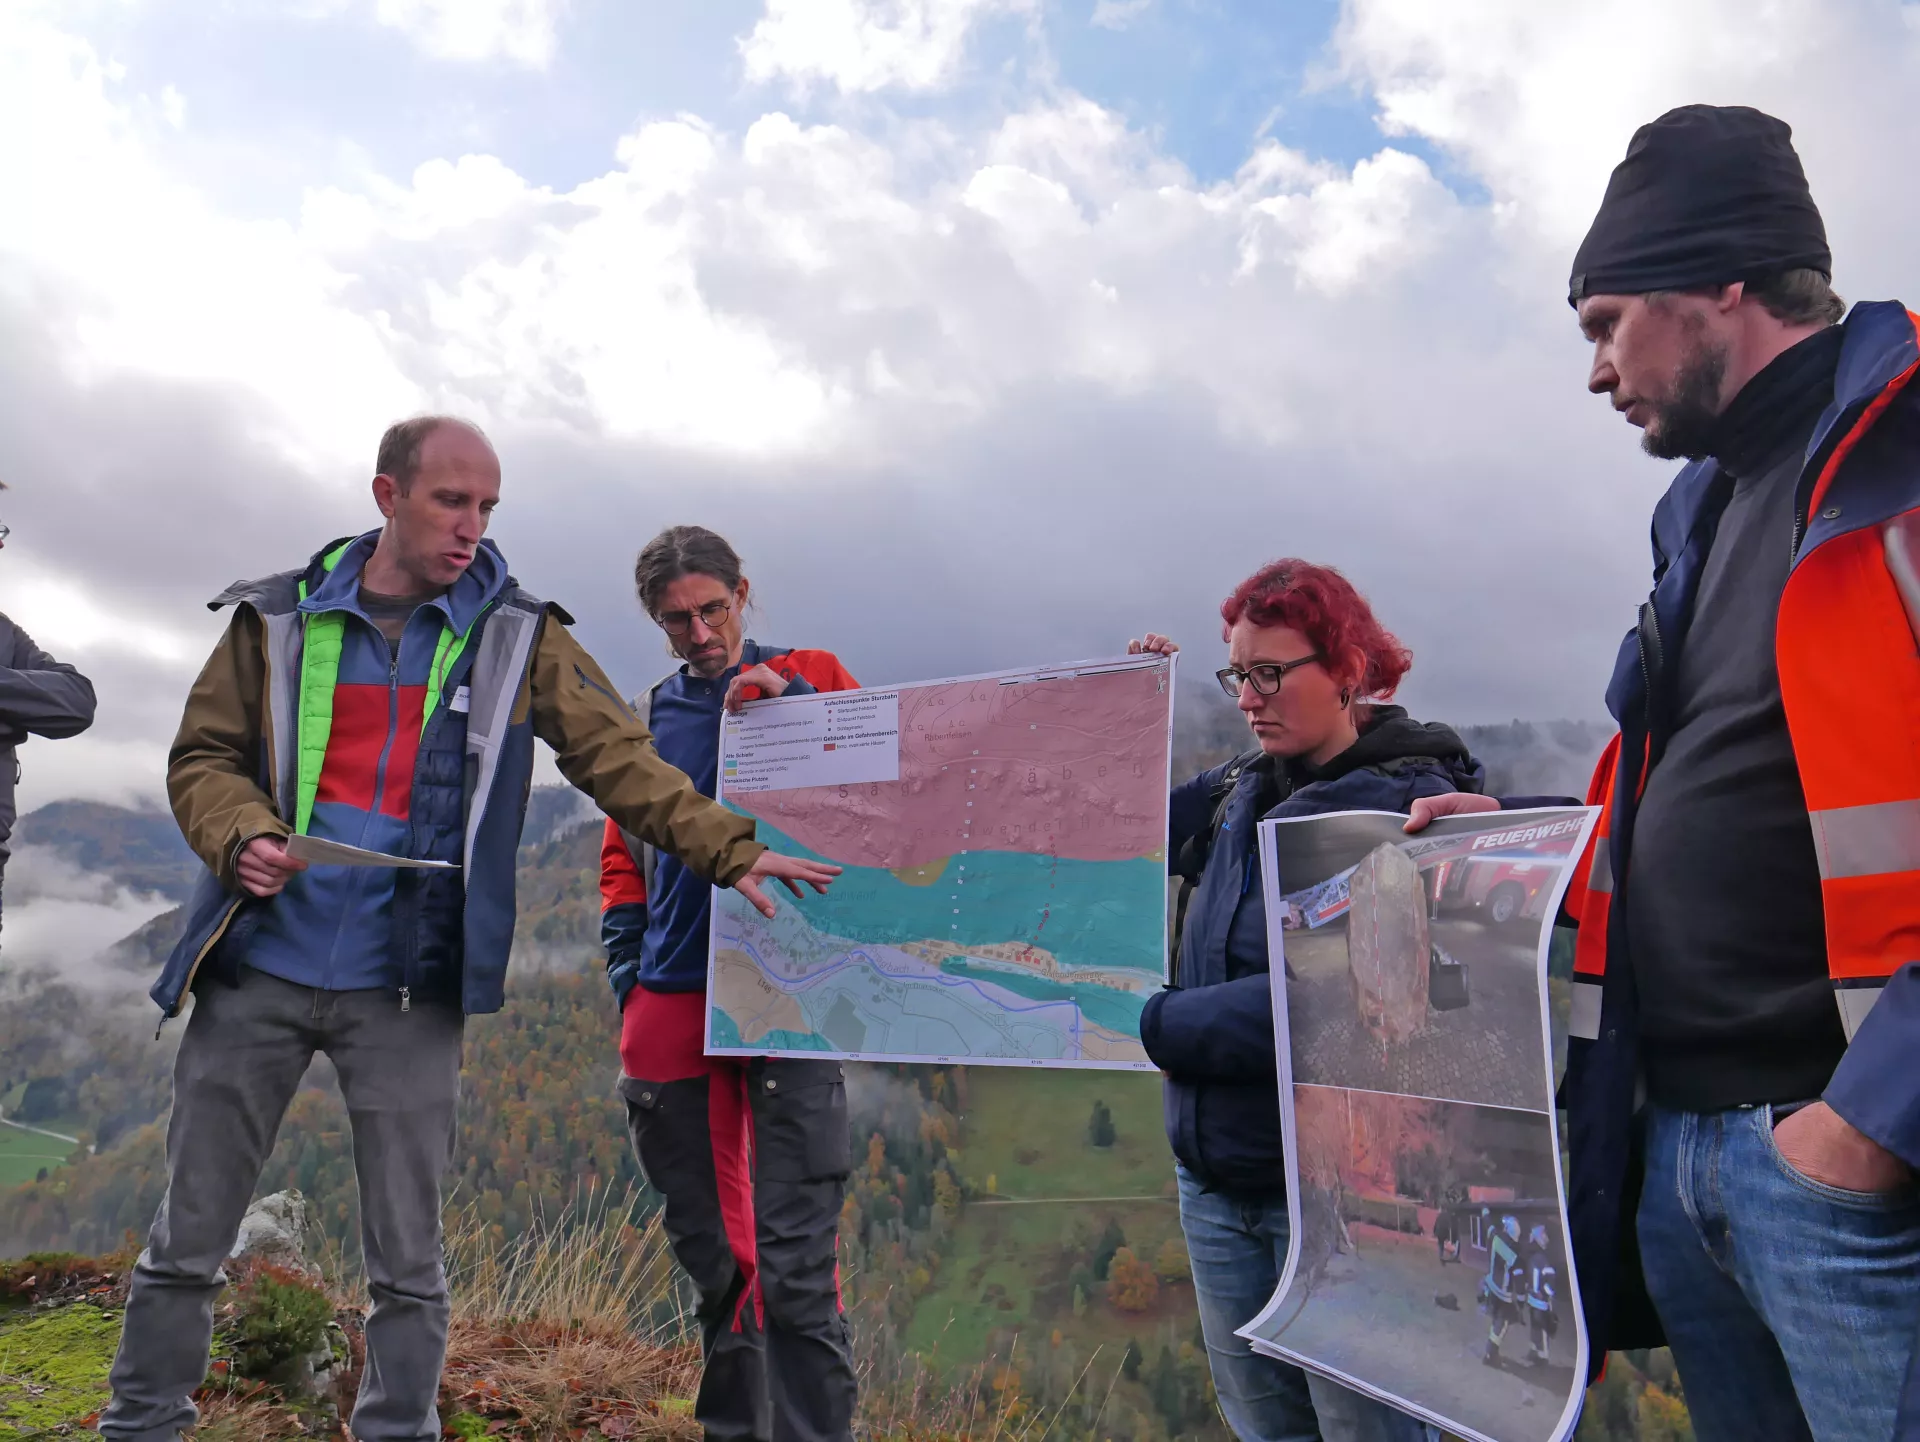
<point x="1311" y="668"/>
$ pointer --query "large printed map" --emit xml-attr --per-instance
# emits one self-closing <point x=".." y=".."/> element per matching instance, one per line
<point x="1004" y="898"/>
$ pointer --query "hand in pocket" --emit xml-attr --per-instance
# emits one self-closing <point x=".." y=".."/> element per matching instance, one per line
<point x="1820" y="1145"/>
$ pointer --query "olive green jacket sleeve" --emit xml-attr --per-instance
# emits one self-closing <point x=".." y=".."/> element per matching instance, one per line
<point x="606" y="751"/>
<point x="214" y="768"/>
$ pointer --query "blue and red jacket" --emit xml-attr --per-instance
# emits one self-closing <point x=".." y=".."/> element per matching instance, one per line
<point x="333" y="925"/>
<point x="659" y="941"/>
<point x="425" y="753"/>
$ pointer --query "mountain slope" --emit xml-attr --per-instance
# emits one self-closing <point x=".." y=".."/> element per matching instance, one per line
<point x="141" y="850"/>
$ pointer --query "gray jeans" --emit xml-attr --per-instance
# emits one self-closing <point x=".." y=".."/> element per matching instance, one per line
<point x="241" y="1060"/>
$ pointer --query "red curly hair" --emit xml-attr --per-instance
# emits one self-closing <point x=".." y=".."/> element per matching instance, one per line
<point x="1322" y="605"/>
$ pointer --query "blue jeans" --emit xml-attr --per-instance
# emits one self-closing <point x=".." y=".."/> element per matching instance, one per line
<point x="1791" y="1306"/>
<point x="1237" y="1245"/>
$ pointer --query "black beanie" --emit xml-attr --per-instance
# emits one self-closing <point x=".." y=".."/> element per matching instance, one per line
<point x="1708" y="195"/>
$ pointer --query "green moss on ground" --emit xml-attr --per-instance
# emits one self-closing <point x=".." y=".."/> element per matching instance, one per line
<point x="53" y="1368"/>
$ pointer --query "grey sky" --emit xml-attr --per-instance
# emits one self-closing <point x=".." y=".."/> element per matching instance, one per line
<point x="974" y="368"/>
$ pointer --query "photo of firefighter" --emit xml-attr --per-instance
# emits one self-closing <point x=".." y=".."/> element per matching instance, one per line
<point x="1416" y="964"/>
<point x="1432" y="1259"/>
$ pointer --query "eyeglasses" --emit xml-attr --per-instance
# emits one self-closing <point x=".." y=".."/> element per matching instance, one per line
<point x="5" y="530"/>
<point x="678" y="623"/>
<point x="1264" y="678"/>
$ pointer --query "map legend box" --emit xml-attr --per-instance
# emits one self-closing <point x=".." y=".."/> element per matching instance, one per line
<point x="839" y="739"/>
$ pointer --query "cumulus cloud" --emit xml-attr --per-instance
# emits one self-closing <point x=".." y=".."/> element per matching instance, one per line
<point x="867" y="45"/>
<point x="1538" y="102"/>
<point x="155" y="278"/>
<point x="969" y="389"/>
<point x="1118" y="14"/>
<point x="522" y="31"/>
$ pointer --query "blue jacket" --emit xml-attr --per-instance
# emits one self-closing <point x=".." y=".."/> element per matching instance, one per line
<point x="235" y="773"/>
<point x="1212" y="1034"/>
<point x="1873" y="426"/>
<point x="390" y="782"/>
<point x="655" y="931"/>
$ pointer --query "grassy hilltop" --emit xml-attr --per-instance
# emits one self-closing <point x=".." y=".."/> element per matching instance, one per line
<point x="1012" y="1262"/>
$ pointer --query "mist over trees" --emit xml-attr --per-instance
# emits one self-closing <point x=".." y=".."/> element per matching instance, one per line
<point x="1523" y="758"/>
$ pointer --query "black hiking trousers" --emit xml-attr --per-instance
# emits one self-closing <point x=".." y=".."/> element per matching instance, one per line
<point x="752" y="1158"/>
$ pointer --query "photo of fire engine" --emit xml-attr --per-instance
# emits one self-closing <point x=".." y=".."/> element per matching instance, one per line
<point x="1416" y="964"/>
<point x="1437" y="1222"/>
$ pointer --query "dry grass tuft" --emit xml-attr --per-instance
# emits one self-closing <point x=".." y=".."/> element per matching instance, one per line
<point x="572" y="1329"/>
<point x="255" y="1415"/>
<point x="550" y="1382"/>
<point x="590" y="1264"/>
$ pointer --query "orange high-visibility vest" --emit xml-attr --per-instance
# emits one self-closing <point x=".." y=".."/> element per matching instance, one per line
<point x="1847" y="643"/>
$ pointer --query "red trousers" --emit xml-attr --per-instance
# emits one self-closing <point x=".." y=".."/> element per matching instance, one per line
<point x="751" y="1155"/>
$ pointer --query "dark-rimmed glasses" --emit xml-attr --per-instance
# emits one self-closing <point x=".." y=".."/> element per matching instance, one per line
<point x="712" y="615"/>
<point x="1264" y="678"/>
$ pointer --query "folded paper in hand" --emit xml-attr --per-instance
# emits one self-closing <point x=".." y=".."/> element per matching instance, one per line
<point x="316" y="852"/>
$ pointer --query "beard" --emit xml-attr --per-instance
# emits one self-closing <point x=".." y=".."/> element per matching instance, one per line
<point x="1686" y="421"/>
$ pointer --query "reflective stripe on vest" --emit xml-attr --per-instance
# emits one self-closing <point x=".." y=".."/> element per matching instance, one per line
<point x="1856" y="999"/>
<point x="1590" y="901"/>
<point x="1590" y="942"/>
<point x="1877" y="839"/>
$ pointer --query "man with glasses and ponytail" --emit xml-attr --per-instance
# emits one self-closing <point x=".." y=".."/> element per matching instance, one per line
<point x="1309" y="666"/>
<point x="751" y="1153"/>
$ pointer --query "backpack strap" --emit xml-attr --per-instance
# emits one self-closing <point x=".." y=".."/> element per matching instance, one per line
<point x="644" y="856"/>
<point x="1223" y="790"/>
<point x="1193" y="856"/>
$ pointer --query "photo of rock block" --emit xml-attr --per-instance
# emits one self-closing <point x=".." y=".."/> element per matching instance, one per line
<point x="1387" y="945"/>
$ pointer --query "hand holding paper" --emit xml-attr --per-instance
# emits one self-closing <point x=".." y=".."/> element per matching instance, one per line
<point x="264" y="868"/>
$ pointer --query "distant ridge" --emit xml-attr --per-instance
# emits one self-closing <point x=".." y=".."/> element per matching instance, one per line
<point x="140" y="848"/>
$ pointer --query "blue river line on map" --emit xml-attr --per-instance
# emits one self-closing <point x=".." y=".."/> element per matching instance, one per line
<point x="1101" y="915"/>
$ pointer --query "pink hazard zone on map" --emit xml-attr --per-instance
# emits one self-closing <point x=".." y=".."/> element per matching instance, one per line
<point x="1073" y="767"/>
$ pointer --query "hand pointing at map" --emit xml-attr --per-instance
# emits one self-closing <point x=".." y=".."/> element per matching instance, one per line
<point x="790" y="872"/>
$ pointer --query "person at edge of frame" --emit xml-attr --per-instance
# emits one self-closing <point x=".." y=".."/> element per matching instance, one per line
<point x="1746" y="1004"/>
<point x="751" y="1153"/>
<point x="387" y="694"/>
<point x="1311" y="668"/>
<point x="39" y="696"/>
